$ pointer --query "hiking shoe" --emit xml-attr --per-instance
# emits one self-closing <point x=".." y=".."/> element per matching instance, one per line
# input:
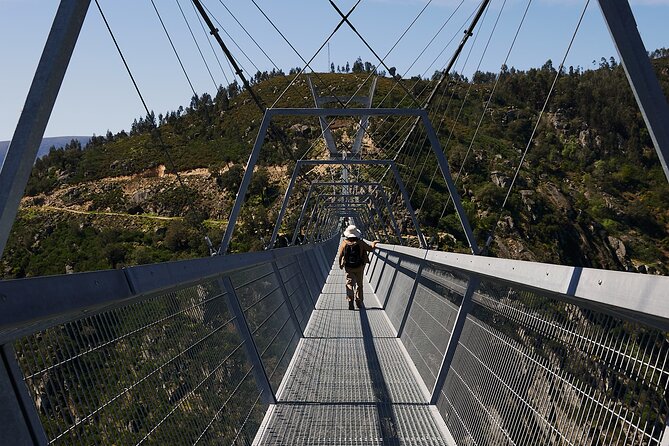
<point x="350" y="305"/>
<point x="358" y="302"/>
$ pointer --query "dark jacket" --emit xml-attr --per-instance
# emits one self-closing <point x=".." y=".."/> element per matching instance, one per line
<point x="364" y="249"/>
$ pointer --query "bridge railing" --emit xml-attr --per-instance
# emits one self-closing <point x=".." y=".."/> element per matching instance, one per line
<point x="528" y="353"/>
<point x="156" y="353"/>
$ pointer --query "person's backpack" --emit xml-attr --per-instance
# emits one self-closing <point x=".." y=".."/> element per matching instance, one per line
<point x="352" y="256"/>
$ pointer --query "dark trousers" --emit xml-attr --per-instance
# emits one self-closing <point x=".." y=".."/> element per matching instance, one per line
<point x="354" y="282"/>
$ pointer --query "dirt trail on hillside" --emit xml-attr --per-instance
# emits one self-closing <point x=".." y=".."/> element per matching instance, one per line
<point x="114" y="214"/>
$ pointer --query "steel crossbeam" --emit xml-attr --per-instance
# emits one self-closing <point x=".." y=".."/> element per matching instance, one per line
<point x="390" y="163"/>
<point x="377" y="187"/>
<point x="320" y="101"/>
<point x="359" y="112"/>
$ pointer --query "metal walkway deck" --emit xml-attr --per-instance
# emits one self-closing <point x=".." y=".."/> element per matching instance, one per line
<point x="351" y="382"/>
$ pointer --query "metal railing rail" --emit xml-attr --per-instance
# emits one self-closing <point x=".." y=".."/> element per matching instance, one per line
<point x="148" y="345"/>
<point x="520" y="352"/>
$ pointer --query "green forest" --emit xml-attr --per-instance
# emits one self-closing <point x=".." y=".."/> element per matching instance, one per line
<point x="591" y="191"/>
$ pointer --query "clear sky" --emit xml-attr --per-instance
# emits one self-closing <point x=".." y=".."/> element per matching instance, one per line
<point x="97" y="94"/>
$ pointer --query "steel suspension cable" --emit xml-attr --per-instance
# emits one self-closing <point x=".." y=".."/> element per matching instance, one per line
<point x="426" y="86"/>
<point x="385" y="119"/>
<point x="453" y="60"/>
<point x="307" y="64"/>
<point x="399" y="39"/>
<point x="534" y="130"/>
<point x="345" y="18"/>
<point x="450" y="134"/>
<point x="197" y="45"/>
<point x="163" y="146"/>
<point x="444" y="74"/>
<point x="241" y="50"/>
<point x="248" y="34"/>
<point x="434" y="37"/>
<point x="341" y="22"/>
<point x="199" y="19"/>
<point x="226" y="51"/>
<point x="487" y="105"/>
<point x="176" y="53"/>
<point x="485" y="50"/>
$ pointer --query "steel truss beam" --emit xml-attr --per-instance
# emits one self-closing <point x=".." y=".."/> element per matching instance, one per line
<point x="359" y="112"/>
<point x="377" y="186"/>
<point x="322" y="212"/>
<point x="393" y="167"/>
<point x="320" y="101"/>
<point x="640" y="74"/>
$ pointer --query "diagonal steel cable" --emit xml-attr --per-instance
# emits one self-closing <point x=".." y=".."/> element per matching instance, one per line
<point x="249" y="35"/>
<point x="162" y="144"/>
<point x="341" y="22"/>
<point x="373" y="73"/>
<point x="487" y="105"/>
<point x="478" y="67"/>
<point x="197" y="45"/>
<point x="348" y="22"/>
<point x="208" y="36"/>
<point x="534" y="130"/>
<point x="176" y="53"/>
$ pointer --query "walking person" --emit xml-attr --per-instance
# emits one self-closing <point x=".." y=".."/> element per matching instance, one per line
<point x="352" y="258"/>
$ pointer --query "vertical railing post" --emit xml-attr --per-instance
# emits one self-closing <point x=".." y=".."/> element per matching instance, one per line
<point x="309" y="283"/>
<point x="320" y="255"/>
<point x="383" y="267"/>
<point x="286" y="298"/>
<point x="458" y="325"/>
<point x="414" y="289"/>
<point x="392" y="282"/>
<point x="252" y="353"/>
<point x="20" y="423"/>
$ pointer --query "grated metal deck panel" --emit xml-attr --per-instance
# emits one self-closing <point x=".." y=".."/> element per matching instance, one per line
<point x="351" y="382"/>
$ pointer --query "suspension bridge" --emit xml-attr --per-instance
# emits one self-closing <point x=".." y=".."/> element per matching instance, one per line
<point x="259" y="348"/>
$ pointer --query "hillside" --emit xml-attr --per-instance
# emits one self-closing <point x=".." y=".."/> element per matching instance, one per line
<point x="48" y="143"/>
<point x="591" y="191"/>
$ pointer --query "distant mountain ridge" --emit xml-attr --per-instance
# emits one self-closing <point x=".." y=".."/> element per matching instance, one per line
<point x="47" y="143"/>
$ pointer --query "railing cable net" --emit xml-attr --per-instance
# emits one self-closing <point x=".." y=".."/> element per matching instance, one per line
<point x="175" y="365"/>
<point x="198" y="361"/>
<point x="530" y="367"/>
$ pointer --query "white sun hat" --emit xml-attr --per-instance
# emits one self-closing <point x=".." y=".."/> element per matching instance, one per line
<point x="352" y="232"/>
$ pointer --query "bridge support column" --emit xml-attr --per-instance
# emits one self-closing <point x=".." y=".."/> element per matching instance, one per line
<point x="458" y="325"/>
<point x="37" y="109"/>
<point x="640" y="74"/>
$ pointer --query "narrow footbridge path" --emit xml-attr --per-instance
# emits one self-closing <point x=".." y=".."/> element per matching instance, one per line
<point x="351" y="382"/>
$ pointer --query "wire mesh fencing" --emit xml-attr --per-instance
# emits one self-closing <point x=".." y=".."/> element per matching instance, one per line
<point x="528" y="368"/>
<point x="173" y="366"/>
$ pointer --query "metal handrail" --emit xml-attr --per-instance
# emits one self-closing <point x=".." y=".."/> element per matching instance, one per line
<point x="632" y="296"/>
<point x="33" y="304"/>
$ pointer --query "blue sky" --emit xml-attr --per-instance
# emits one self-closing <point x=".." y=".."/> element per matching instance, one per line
<point x="97" y="94"/>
